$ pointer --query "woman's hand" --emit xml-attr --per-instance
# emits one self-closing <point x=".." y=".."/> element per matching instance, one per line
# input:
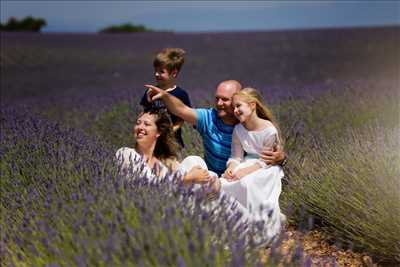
<point x="197" y="175"/>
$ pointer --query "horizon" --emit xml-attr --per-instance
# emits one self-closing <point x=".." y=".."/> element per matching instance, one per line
<point x="216" y="31"/>
<point x="205" y="17"/>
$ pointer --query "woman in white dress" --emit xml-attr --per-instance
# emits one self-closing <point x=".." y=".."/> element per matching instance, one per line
<point x="249" y="180"/>
<point x="155" y="152"/>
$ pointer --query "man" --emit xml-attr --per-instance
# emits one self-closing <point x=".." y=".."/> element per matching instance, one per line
<point x="215" y="125"/>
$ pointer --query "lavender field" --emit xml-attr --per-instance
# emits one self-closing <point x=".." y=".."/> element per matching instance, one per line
<point x="68" y="102"/>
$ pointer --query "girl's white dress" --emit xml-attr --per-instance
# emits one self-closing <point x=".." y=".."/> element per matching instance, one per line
<point x="258" y="192"/>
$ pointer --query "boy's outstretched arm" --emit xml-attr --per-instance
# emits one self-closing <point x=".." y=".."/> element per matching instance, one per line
<point x="174" y="105"/>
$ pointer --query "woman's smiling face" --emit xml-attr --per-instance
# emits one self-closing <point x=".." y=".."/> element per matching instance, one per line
<point x="145" y="129"/>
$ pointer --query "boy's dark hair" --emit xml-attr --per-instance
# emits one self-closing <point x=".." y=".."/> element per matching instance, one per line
<point x="170" y="58"/>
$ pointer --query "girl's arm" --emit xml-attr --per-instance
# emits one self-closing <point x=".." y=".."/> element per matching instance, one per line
<point x="236" y="157"/>
<point x="246" y="171"/>
<point x="270" y="141"/>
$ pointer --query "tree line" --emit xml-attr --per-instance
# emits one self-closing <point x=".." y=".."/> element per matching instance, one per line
<point x="126" y="27"/>
<point x="28" y="24"/>
<point x="31" y="24"/>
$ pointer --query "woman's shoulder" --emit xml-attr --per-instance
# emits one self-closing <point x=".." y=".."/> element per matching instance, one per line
<point x="126" y="152"/>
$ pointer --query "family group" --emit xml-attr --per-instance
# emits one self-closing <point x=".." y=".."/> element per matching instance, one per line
<point x="243" y="147"/>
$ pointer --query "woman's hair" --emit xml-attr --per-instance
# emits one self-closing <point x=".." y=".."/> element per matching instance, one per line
<point x="166" y="147"/>
<point x="251" y="95"/>
<point x="170" y="58"/>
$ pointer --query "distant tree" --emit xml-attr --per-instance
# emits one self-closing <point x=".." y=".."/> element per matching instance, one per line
<point x="28" y="24"/>
<point x="127" y="27"/>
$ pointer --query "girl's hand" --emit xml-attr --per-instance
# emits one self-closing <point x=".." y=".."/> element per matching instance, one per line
<point x="228" y="174"/>
<point x="239" y="174"/>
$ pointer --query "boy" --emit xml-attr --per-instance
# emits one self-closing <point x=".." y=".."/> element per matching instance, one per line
<point x="167" y="65"/>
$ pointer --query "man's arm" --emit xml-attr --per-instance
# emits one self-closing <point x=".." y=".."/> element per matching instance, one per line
<point x="174" y="105"/>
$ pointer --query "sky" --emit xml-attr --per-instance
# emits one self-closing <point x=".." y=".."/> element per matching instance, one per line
<point x="204" y="16"/>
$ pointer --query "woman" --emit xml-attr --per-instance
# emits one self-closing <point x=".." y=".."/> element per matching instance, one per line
<point x="155" y="152"/>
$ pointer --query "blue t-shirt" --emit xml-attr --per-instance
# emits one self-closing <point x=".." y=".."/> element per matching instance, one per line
<point x="178" y="93"/>
<point x="217" y="139"/>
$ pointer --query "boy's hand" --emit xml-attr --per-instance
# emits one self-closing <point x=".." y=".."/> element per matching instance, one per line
<point x="154" y="92"/>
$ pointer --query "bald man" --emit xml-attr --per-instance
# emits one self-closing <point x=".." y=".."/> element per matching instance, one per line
<point x="215" y="125"/>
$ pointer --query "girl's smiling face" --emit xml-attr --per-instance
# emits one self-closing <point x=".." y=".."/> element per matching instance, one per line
<point x="242" y="109"/>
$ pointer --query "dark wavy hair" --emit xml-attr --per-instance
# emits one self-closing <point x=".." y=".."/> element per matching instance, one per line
<point x="166" y="147"/>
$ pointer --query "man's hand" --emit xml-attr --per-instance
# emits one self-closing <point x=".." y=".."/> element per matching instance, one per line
<point x="197" y="175"/>
<point x="273" y="156"/>
<point x="154" y="92"/>
<point x="173" y="104"/>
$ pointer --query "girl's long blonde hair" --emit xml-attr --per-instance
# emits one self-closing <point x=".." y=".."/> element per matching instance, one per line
<point x="251" y="95"/>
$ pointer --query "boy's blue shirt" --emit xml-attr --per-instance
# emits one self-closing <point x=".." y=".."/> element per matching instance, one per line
<point x="217" y="139"/>
<point x="178" y="93"/>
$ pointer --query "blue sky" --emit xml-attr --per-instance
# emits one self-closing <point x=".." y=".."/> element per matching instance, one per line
<point x="199" y="16"/>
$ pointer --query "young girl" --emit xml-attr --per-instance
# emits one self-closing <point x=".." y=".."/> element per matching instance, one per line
<point x="254" y="184"/>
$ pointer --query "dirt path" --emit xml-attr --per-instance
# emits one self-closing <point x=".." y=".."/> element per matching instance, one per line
<point x="317" y="252"/>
